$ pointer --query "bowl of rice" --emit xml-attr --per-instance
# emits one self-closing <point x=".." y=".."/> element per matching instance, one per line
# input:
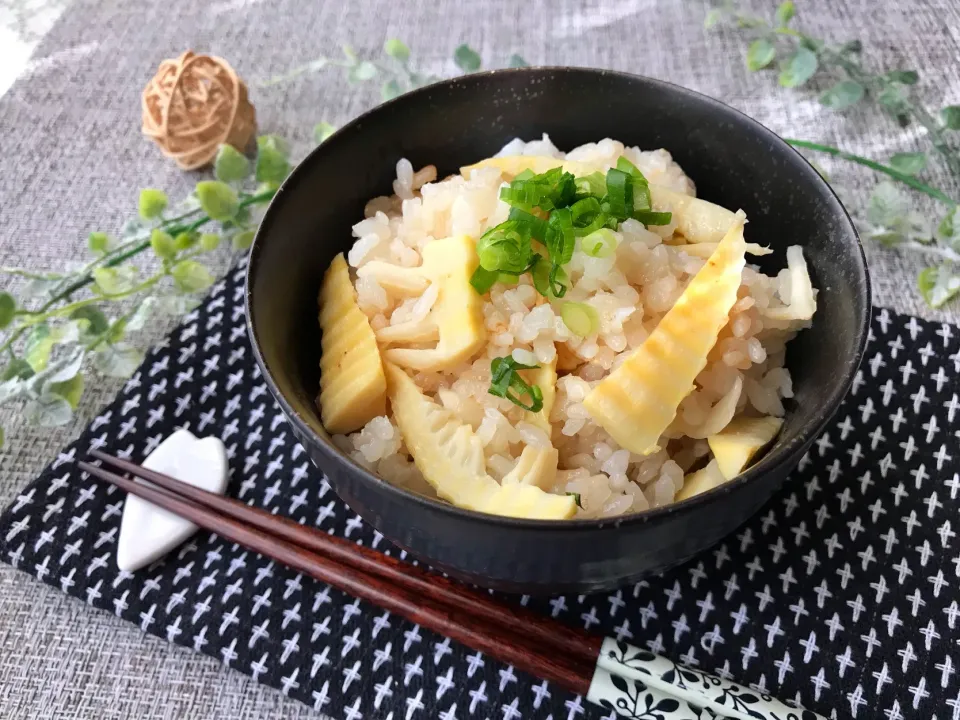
<point x="554" y="329"/>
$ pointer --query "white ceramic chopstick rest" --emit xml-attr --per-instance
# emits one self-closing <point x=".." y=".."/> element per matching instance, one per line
<point x="637" y="683"/>
<point x="148" y="532"/>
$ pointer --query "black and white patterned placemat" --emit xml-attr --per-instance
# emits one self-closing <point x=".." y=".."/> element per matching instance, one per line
<point x="841" y="593"/>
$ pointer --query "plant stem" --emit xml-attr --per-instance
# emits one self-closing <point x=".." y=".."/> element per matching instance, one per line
<point x="77" y="304"/>
<point x="879" y="167"/>
<point x="138" y="238"/>
<point x="874" y="84"/>
<point x="937" y="138"/>
<point x="931" y="249"/>
<point x="313" y="66"/>
<point x="86" y="275"/>
<point x="877" y="84"/>
<point x="178" y="218"/>
<point x="29" y="274"/>
<point x="87" y="278"/>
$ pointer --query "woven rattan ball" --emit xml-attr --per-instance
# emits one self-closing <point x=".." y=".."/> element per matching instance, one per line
<point x="194" y="104"/>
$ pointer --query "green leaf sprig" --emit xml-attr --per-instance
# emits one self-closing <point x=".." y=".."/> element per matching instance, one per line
<point x="888" y="218"/>
<point x="63" y="325"/>
<point x="394" y="71"/>
<point x="801" y="56"/>
<point x="60" y="325"/>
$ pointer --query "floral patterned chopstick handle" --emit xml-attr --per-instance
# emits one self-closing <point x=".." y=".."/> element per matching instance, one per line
<point x="635" y="699"/>
<point x="625" y="675"/>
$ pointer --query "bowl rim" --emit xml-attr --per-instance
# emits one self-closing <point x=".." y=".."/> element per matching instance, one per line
<point x="768" y="463"/>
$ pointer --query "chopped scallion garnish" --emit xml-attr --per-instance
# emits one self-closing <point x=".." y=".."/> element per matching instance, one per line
<point x="651" y="217"/>
<point x="506" y="382"/>
<point x="505" y="248"/>
<point x="557" y="281"/>
<point x="524" y="195"/>
<point x="600" y="244"/>
<point x="537" y="227"/>
<point x="641" y="188"/>
<point x="561" y="240"/>
<point x="641" y="196"/>
<point x="540" y="272"/>
<point x="554" y="208"/>
<point x="576" y="499"/>
<point x="549" y="279"/>
<point x="619" y="193"/>
<point x="547" y="191"/>
<point x="562" y="188"/>
<point x="581" y="318"/>
<point x="587" y="215"/>
<point x="592" y="185"/>
<point x="482" y="280"/>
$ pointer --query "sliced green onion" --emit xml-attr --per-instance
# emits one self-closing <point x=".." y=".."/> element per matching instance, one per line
<point x="588" y="216"/>
<point x="600" y="244"/>
<point x="536" y="227"/>
<point x="482" y="280"/>
<point x="549" y="279"/>
<point x="525" y="195"/>
<point x="561" y="240"/>
<point x="594" y="184"/>
<point x="619" y="193"/>
<point x="509" y="279"/>
<point x="651" y="217"/>
<point x="552" y="189"/>
<point x="505" y="248"/>
<point x="554" y="208"/>
<point x="540" y="272"/>
<point x="558" y="280"/>
<point x="624" y="165"/>
<point x="582" y="319"/>
<point x="504" y="378"/>
<point x="576" y="498"/>
<point x="562" y="187"/>
<point x="641" y="188"/>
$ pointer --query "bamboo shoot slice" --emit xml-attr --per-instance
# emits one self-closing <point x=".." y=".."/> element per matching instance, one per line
<point x="450" y="457"/>
<point x="637" y="402"/>
<point x="738" y="443"/>
<point x="700" y="481"/>
<point x="544" y="377"/>
<point x="537" y="466"/>
<point x="803" y="301"/>
<point x="456" y="319"/>
<point x="353" y="388"/>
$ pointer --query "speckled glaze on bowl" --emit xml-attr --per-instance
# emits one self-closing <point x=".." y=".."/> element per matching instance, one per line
<point x="733" y="160"/>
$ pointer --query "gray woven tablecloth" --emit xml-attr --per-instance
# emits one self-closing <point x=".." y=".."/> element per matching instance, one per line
<point x="73" y="160"/>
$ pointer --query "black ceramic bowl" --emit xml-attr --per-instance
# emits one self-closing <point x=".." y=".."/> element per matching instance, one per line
<point x="733" y="160"/>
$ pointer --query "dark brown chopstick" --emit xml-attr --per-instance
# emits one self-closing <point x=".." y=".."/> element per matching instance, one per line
<point x="572" y="641"/>
<point x="510" y="633"/>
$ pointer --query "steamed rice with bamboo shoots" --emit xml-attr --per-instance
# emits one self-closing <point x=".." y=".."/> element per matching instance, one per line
<point x="561" y="334"/>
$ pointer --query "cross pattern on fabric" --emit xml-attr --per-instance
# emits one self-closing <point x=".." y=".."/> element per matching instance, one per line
<point x="840" y="593"/>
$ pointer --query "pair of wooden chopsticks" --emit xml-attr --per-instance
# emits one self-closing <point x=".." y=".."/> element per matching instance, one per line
<point x="612" y="674"/>
<point x="528" y="641"/>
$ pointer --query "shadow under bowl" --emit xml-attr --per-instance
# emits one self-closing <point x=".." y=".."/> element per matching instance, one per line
<point x="734" y="161"/>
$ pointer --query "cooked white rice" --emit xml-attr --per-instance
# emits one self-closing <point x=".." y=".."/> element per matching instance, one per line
<point x="631" y="291"/>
